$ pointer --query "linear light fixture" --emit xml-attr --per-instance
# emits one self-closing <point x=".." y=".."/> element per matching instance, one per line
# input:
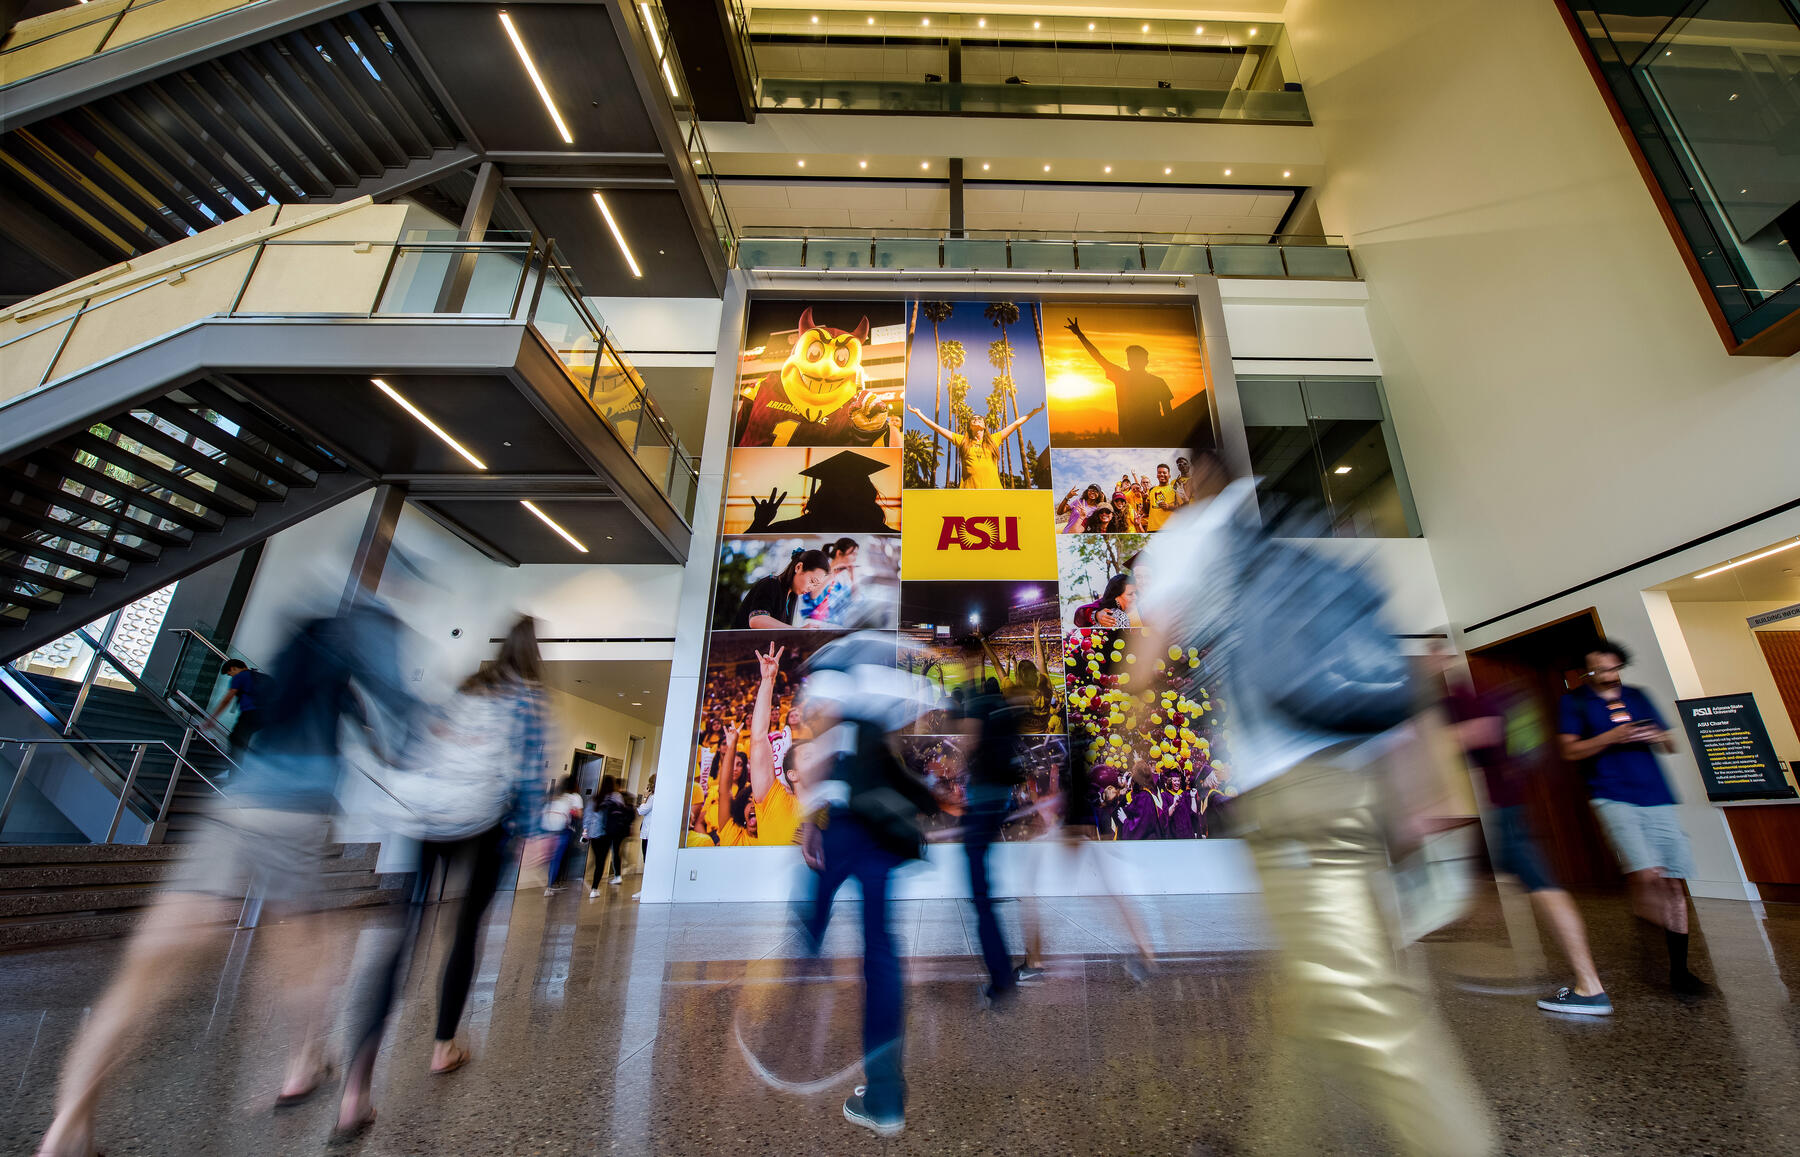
<point x="1761" y="554"/>
<point x="518" y="44"/>
<point x="551" y="523"/>
<point x="618" y="234"/>
<point x="428" y="423"/>
<point x="657" y="44"/>
<point x="1342" y="470"/>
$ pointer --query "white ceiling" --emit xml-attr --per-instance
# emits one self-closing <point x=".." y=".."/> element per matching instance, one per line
<point x="1776" y="578"/>
<point x="1057" y="208"/>
<point x="638" y="688"/>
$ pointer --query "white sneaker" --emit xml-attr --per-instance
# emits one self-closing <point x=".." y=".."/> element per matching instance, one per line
<point x="617" y="880"/>
<point x="593" y="893"/>
<point x="549" y="891"/>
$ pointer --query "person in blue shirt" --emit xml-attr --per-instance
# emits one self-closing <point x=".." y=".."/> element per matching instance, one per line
<point x="247" y="688"/>
<point x="1617" y="731"/>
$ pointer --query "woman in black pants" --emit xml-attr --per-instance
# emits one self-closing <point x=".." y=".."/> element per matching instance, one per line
<point x="613" y="828"/>
<point x="484" y="761"/>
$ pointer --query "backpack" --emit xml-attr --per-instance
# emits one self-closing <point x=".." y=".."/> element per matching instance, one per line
<point x="1313" y="643"/>
<point x="617" y="821"/>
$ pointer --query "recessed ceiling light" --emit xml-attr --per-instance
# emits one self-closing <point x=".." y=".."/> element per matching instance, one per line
<point x="926" y="22"/>
<point x="802" y="164"/>
<point x="551" y="523"/>
<point x="871" y="20"/>
<point x="1199" y="29"/>
<point x="537" y="80"/>
<point x="924" y="164"/>
<point x="1228" y="172"/>
<point x="1037" y="23"/>
<point x="981" y="23"/>
<point x="618" y="235"/>
<point x="815" y="20"/>
<point x="636" y="704"/>
<point x="1108" y="168"/>
<point x="1090" y="26"/>
<point x="984" y="166"/>
<point x="1749" y="558"/>
<point x="1287" y="172"/>
<point x="1167" y="170"/>
<point x="862" y="164"/>
<point x="428" y="423"/>
<point x="1342" y="470"/>
<point x="656" y="45"/>
<point x="1046" y="168"/>
<point x="1253" y="32"/>
<point x="1145" y="28"/>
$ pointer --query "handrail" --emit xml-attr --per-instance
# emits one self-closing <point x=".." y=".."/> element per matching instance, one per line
<point x="125" y="672"/>
<point x="14" y="43"/>
<point x="203" y="641"/>
<point x="138" y="746"/>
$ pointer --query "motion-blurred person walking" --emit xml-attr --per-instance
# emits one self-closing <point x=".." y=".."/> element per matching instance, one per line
<point x="1480" y="721"/>
<point x="990" y="723"/>
<point x="1617" y="728"/>
<point x="560" y="821"/>
<point x="1309" y="675"/>
<point x="480" y="769"/>
<point x="856" y="700"/>
<point x="267" y="837"/>
<point x="606" y="828"/>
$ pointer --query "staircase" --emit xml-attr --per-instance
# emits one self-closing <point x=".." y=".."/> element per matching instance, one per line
<point x="111" y="713"/>
<point x="108" y="512"/>
<point x="57" y="892"/>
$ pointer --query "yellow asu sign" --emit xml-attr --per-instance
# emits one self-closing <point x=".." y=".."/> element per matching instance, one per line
<point x="978" y="534"/>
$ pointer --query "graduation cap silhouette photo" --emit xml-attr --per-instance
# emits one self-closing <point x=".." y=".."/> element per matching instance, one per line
<point x="841" y="497"/>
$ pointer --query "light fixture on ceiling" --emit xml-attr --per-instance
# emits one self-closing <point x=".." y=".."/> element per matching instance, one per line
<point x="801" y="163"/>
<point x="1090" y="26"/>
<point x="815" y="20"/>
<point x="1037" y="23"/>
<point x="537" y="80"/>
<point x="618" y="234"/>
<point x="1287" y="172"/>
<point x="428" y="423"/>
<point x="1046" y="168"/>
<point x="1228" y="172"/>
<point x="636" y="704"/>
<point x="1108" y="169"/>
<point x="1167" y="171"/>
<point x="924" y="164"/>
<point x="1199" y="29"/>
<point x="984" y="166"/>
<point x="1145" y="28"/>
<point x="657" y="44"/>
<point x="1342" y="470"/>
<point x="551" y="523"/>
<point x="862" y="164"/>
<point x="871" y="20"/>
<point x="926" y="22"/>
<point x="981" y="23"/>
<point x="1761" y="554"/>
<point x="1253" y="32"/>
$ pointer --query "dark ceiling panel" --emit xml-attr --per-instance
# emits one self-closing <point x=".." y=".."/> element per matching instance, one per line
<point x="482" y="413"/>
<point x="576" y="53"/>
<point x="655" y="224"/>
<point x="513" y="529"/>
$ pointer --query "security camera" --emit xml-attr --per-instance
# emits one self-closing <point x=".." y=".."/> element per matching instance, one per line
<point x="456" y="632"/>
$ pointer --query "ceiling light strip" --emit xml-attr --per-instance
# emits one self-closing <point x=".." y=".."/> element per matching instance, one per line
<point x="618" y="235"/>
<point x="1761" y="554"/>
<point x="551" y="523"/>
<point x="428" y="423"/>
<point x="531" y="69"/>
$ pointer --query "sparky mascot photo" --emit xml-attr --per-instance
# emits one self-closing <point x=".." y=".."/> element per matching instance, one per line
<point x="818" y="397"/>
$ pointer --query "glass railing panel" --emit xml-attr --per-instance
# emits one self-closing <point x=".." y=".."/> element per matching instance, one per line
<point x="1028" y="100"/>
<point x="416" y="280"/>
<point x="494" y="282"/>
<point x="907" y="253"/>
<point x="563" y="323"/>
<point x="837" y="253"/>
<point x="654" y="450"/>
<point x="770" y="253"/>
<point x="1322" y="261"/>
<point x="963" y="253"/>
<point x="1246" y="261"/>
<point x="618" y="395"/>
<point x="1049" y="256"/>
<point x="1176" y="259"/>
<point x="1107" y="255"/>
<point x="682" y="481"/>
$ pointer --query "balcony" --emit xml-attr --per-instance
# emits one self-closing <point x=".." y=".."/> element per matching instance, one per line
<point x="940" y="252"/>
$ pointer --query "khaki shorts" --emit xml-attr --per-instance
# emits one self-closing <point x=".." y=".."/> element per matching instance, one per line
<point x="281" y="852"/>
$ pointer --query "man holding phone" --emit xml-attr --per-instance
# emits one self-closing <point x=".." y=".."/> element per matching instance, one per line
<point x="1618" y="729"/>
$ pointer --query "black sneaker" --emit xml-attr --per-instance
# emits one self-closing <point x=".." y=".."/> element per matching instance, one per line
<point x="1568" y="1000"/>
<point x="857" y="1113"/>
<point x="1687" y="984"/>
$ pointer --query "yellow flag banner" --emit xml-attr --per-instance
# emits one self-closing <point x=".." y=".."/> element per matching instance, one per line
<point x="978" y="534"/>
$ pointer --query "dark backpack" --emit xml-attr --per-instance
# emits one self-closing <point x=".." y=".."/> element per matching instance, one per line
<point x="1313" y="644"/>
<point x="616" y="817"/>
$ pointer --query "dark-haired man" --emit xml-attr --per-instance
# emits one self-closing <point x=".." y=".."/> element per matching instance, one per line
<point x="1618" y="729"/>
<point x="1144" y="399"/>
<point x="247" y="688"/>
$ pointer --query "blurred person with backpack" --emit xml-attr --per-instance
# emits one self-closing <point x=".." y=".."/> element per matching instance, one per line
<point x="605" y="828"/>
<point x="473" y="787"/>
<point x="559" y="823"/>
<point x="991" y="725"/>
<point x="1311" y="680"/>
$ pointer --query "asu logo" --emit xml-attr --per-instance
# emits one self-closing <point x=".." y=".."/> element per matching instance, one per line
<point x="983" y="532"/>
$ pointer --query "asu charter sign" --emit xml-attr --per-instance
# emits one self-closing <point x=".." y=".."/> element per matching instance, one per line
<point x="978" y="534"/>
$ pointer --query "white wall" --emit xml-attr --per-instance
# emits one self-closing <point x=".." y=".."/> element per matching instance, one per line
<point x="576" y="722"/>
<point x="1728" y="660"/>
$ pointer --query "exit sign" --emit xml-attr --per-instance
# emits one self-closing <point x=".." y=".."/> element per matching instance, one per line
<point x="590" y="747"/>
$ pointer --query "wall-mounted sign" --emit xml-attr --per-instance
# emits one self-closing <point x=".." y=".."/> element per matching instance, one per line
<point x="1779" y="615"/>
<point x="591" y="747"/>
<point x="1736" y="759"/>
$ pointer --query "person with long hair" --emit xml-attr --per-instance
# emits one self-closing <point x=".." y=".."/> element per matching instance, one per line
<point x="1075" y="510"/>
<point x="1103" y="519"/>
<point x="978" y="450"/>
<point x="485" y="761"/>
<point x="773" y="601"/>
<point x="1116" y="606"/>
<point x="831" y="605"/>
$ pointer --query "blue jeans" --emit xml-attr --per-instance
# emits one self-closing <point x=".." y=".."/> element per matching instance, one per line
<point x="985" y="815"/>
<point x="849" y="852"/>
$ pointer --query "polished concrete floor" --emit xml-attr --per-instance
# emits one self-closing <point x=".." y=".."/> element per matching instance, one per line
<point x="606" y="1027"/>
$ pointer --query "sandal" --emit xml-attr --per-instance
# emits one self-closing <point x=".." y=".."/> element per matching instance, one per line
<point x="323" y="1074"/>
<point x="461" y="1057"/>
<point x="345" y="1134"/>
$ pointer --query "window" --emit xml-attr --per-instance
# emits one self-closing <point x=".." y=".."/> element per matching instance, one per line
<point x="1326" y="445"/>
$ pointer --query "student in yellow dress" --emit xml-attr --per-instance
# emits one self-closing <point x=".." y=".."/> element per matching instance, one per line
<point x="979" y="450"/>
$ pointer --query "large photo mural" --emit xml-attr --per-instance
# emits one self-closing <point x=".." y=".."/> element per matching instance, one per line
<point x="977" y="477"/>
